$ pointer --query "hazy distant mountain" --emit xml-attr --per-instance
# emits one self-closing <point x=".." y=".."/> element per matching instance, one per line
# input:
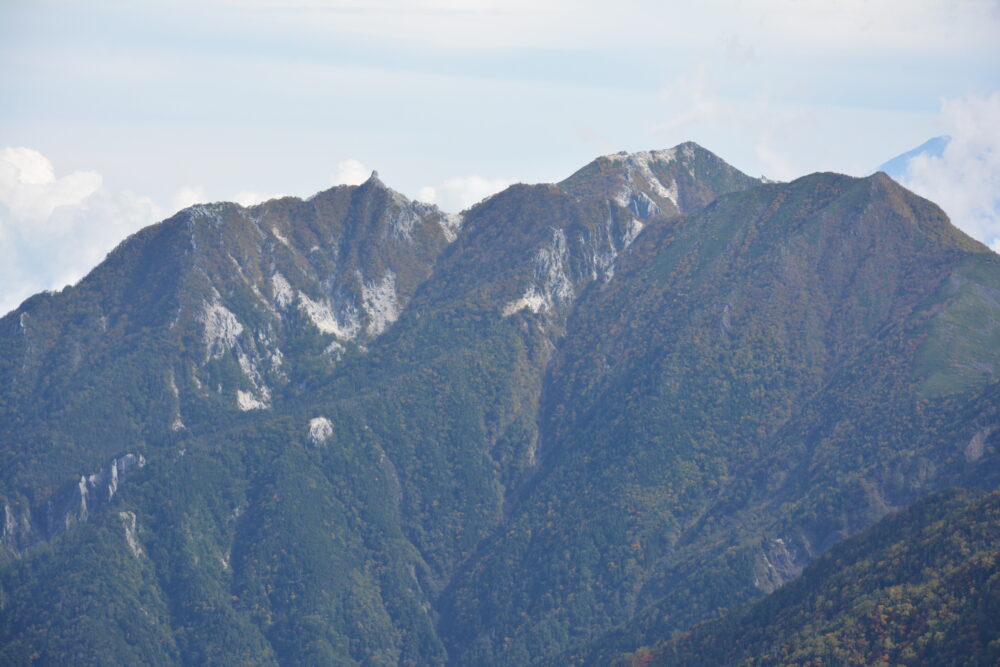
<point x="897" y="167"/>
<point x="564" y="424"/>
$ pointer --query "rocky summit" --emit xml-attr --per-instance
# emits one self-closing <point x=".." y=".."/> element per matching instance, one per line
<point x="634" y="415"/>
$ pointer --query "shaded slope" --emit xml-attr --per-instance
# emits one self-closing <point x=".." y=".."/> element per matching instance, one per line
<point x="920" y="587"/>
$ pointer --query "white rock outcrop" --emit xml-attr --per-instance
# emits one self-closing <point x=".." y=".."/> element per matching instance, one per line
<point x="320" y="430"/>
<point x="552" y="286"/>
<point x="284" y="295"/>
<point x="221" y="329"/>
<point x="247" y="401"/>
<point x="322" y="314"/>
<point x="640" y="177"/>
<point x="131" y="536"/>
<point x="380" y="303"/>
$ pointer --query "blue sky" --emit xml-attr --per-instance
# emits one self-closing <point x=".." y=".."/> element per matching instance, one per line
<point x="115" y="114"/>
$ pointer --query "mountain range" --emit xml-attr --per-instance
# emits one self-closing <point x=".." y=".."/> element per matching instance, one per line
<point x="571" y="421"/>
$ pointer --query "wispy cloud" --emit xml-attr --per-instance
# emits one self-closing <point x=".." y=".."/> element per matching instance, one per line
<point x="490" y="24"/>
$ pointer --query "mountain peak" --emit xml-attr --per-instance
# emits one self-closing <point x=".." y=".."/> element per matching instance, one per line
<point x="658" y="182"/>
<point x="374" y="185"/>
<point x="881" y="178"/>
<point x="898" y="166"/>
<point x="685" y="151"/>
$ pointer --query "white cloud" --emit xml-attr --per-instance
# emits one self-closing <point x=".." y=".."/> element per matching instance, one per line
<point x="53" y="230"/>
<point x="427" y="194"/>
<point x="350" y="172"/>
<point x="461" y="192"/>
<point x="189" y="195"/>
<point x="29" y="187"/>
<point x="247" y="198"/>
<point x="965" y="179"/>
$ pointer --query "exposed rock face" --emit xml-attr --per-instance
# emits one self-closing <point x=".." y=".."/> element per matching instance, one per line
<point x="661" y="182"/>
<point x="339" y="318"/>
<point x="10" y="533"/>
<point x="780" y="560"/>
<point x="974" y="450"/>
<point x="636" y="187"/>
<point x="380" y="303"/>
<point x="551" y="287"/>
<point x="131" y="539"/>
<point x="75" y="503"/>
<point x="320" y="430"/>
<point x="221" y="329"/>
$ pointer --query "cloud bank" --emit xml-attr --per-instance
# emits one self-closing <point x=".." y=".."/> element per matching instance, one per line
<point x="460" y="192"/>
<point x="55" y="229"/>
<point x="350" y="172"/>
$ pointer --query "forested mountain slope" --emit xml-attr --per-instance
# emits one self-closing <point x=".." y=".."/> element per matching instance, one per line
<point x="753" y="386"/>
<point x="564" y="424"/>
<point x="920" y="587"/>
